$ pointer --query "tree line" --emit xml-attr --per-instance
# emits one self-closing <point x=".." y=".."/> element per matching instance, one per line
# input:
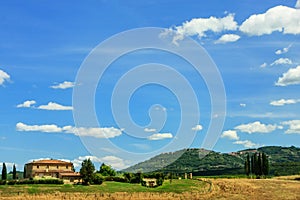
<point x="4" y="172"/>
<point x="257" y="164"/>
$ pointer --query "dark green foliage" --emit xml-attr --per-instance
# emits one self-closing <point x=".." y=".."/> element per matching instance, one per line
<point x="24" y="173"/>
<point x="4" y="172"/>
<point x="40" y="181"/>
<point x="116" y="179"/>
<point x="259" y="164"/>
<point x="87" y="171"/>
<point x="14" y="172"/>
<point x="2" y="182"/>
<point x="247" y="165"/>
<point x="265" y="164"/>
<point x="97" y="179"/>
<point x="106" y="170"/>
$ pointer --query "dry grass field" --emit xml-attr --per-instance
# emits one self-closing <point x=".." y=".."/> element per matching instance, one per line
<point x="276" y="188"/>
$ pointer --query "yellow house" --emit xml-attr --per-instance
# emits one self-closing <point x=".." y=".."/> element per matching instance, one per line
<point x="52" y="169"/>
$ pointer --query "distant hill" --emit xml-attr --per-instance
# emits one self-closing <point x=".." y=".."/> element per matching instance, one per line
<point x="283" y="161"/>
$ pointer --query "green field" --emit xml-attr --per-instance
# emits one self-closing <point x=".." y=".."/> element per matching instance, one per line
<point x="177" y="186"/>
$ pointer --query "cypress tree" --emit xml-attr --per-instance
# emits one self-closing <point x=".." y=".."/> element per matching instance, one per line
<point x="247" y="165"/>
<point x="259" y="165"/>
<point x="14" y="172"/>
<point x="265" y="165"/>
<point x="4" y="172"/>
<point x="24" y="173"/>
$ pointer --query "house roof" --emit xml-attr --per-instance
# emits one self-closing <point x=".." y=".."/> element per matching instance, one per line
<point x="49" y="162"/>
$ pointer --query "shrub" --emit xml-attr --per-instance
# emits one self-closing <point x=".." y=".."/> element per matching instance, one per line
<point x="11" y="182"/>
<point x="97" y="179"/>
<point x="40" y="181"/>
<point x="2" y="182"/>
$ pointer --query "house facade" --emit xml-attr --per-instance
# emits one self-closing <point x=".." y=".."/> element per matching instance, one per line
<point x="51" y="169"/>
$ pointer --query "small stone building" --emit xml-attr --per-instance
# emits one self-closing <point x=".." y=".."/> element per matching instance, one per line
<point x="52" y="169"/>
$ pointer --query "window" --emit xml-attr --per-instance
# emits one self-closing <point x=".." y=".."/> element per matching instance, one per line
<point x="57" y="166"/>
<point x="67" y="166"/>
<point x="37" y="166"/>
<point x="47" y="167"/>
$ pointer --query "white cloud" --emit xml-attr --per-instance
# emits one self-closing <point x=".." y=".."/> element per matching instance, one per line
<point x="291" y="77"/>
<point x="282" y="61"/>
<point x="3" y="77"/>
<point x="198" y="127"/>
<point x="64" y="85"/>
<point x="160" y="136"/>
<point x="26" y="104"/>
<point x="243" y="105"/>
<point x="97" y="132"/>
<point x="246" y="143"/>
<point x="283" y="102"/>
<point x="115" y="162"/>
<point x="199" y="27"/>
<point x="263" y="65"/>
<point x="280" y="18"/>
<point x="51" y="128"/>
<point x="54" y="106"/>
<point x="297" y="4"/>
<point x="294" y="126"/>
<point x="230" y="134"/>
<point x="228" y="38"/>
<point x="256" y="127"/>
<point x="282" y="51"/>
<point x="150" y="130"/>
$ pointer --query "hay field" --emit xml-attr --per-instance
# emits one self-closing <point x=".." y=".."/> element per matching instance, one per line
<point x="236" y="189"/>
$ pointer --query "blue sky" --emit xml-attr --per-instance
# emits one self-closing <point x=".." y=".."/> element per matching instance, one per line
<point x="254" y="45"/>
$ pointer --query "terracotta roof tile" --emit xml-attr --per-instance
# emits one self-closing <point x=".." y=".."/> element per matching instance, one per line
<point x="49" y="162"/>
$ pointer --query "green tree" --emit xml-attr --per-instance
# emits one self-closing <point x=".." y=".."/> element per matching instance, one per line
<point x="14" y="172"/>
<point x="4" y="172"/>
<point x="247" y="165"/>
<point x="259" y="164"/>
<point x="24" y="172"/>
<point x="265" y="164"/>
<point x="106" y="170"/>
<point x="87" y="171"/>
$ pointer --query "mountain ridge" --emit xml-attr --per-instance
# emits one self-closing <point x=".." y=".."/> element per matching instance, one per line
<point x="283" y="161"/>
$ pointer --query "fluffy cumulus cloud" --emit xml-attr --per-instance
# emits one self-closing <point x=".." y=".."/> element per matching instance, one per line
<point x="115" y="162"/>
<point x="228" y="38"/>
<point x="230" y="134"/>
<point x="282" y="61"/>
<point x="199" y="27"/>
<point x="150" y="130"/>
<point x="256" y="127"/>
<point x="3" y="77"/>
<point x="291" y="77"/>
<point x="283" y="102"/>
<point x="280" y="18"/>
<point x="160" y="136"/>
<point x="246" y="143"/>
<point x="54" y="106"/>
<point x="26" y="104"/>
<point x="64" y="85"/>
<point x="97" y="132"/>
<point x="282" y="51"/>
<point x="198" y="127"/>
<point x="49" y="128"/>
<point x="294" y="126"/>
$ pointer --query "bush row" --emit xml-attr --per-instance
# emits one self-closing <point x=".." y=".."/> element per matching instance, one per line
<point x="32" y="181"/>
